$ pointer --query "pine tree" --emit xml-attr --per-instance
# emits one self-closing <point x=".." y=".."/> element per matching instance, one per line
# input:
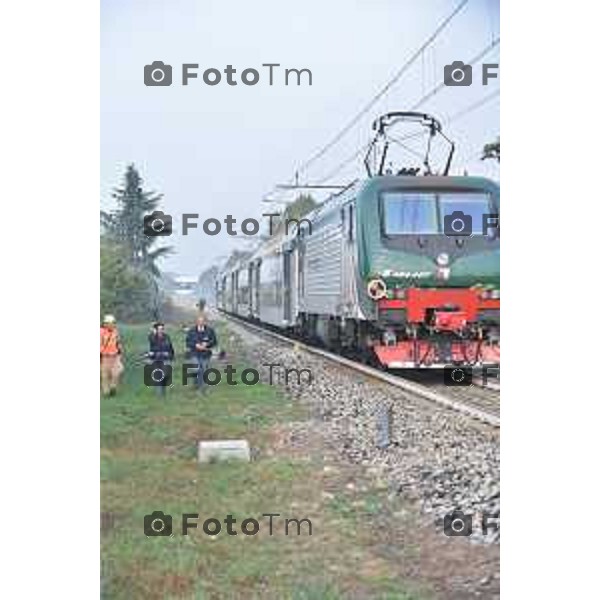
<point x="125" y="225"/>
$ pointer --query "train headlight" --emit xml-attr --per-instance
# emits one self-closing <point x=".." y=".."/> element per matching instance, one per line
<point x="490" y="295"/>
<point x="442" y="260"/>
<point x="376" y="289"/>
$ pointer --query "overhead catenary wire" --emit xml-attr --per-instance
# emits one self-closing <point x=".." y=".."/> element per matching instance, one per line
<point x="442" y="85"/>
<point x="425" y="98"/>
<point x="384" y="90"/>
<point x="472" y="107"/>
<point x="479" y="56"/>
<point x="469" y="110"/>
<point x="455" y="117"/>
<point x="345" y="162"/>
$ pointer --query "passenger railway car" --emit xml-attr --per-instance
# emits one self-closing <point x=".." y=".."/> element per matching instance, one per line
<point x="373" y="272"/>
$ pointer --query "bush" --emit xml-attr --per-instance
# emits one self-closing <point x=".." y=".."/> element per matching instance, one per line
<point x="125" y="291"/>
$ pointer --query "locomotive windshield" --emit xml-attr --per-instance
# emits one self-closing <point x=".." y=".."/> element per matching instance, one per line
<point x="423" y="213"/>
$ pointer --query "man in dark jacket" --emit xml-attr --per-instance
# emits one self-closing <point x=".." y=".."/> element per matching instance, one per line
<point x="199" y="341"/>
<point x="161" y="352"/>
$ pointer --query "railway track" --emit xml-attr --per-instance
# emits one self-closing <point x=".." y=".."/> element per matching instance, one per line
<point x="479" y="402"/>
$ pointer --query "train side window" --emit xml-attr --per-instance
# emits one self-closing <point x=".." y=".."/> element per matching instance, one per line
<point x="343" y="216"/>
<point x="351" y="222"/>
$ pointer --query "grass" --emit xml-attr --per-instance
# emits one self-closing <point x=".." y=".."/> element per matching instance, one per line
<point x="148" y="463"/>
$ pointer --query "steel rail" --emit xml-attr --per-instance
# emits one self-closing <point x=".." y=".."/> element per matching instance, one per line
<point x="393" y="380"/>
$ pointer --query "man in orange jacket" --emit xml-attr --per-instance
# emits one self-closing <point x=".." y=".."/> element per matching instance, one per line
<point x="111" y="350"/>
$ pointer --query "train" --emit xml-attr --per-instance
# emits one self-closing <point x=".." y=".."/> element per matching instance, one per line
<point x="402" y="270"/>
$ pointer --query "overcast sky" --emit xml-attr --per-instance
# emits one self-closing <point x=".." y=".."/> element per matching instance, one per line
<point x="217" y="150"/>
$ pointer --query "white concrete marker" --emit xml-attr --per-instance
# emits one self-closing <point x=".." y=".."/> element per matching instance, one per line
<point x="218" y="450"/>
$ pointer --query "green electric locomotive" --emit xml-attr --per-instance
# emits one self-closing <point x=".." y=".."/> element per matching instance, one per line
<point x="400" y="268"/>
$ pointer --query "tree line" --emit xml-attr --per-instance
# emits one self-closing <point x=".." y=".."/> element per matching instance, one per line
<point x="129" y="271"/>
